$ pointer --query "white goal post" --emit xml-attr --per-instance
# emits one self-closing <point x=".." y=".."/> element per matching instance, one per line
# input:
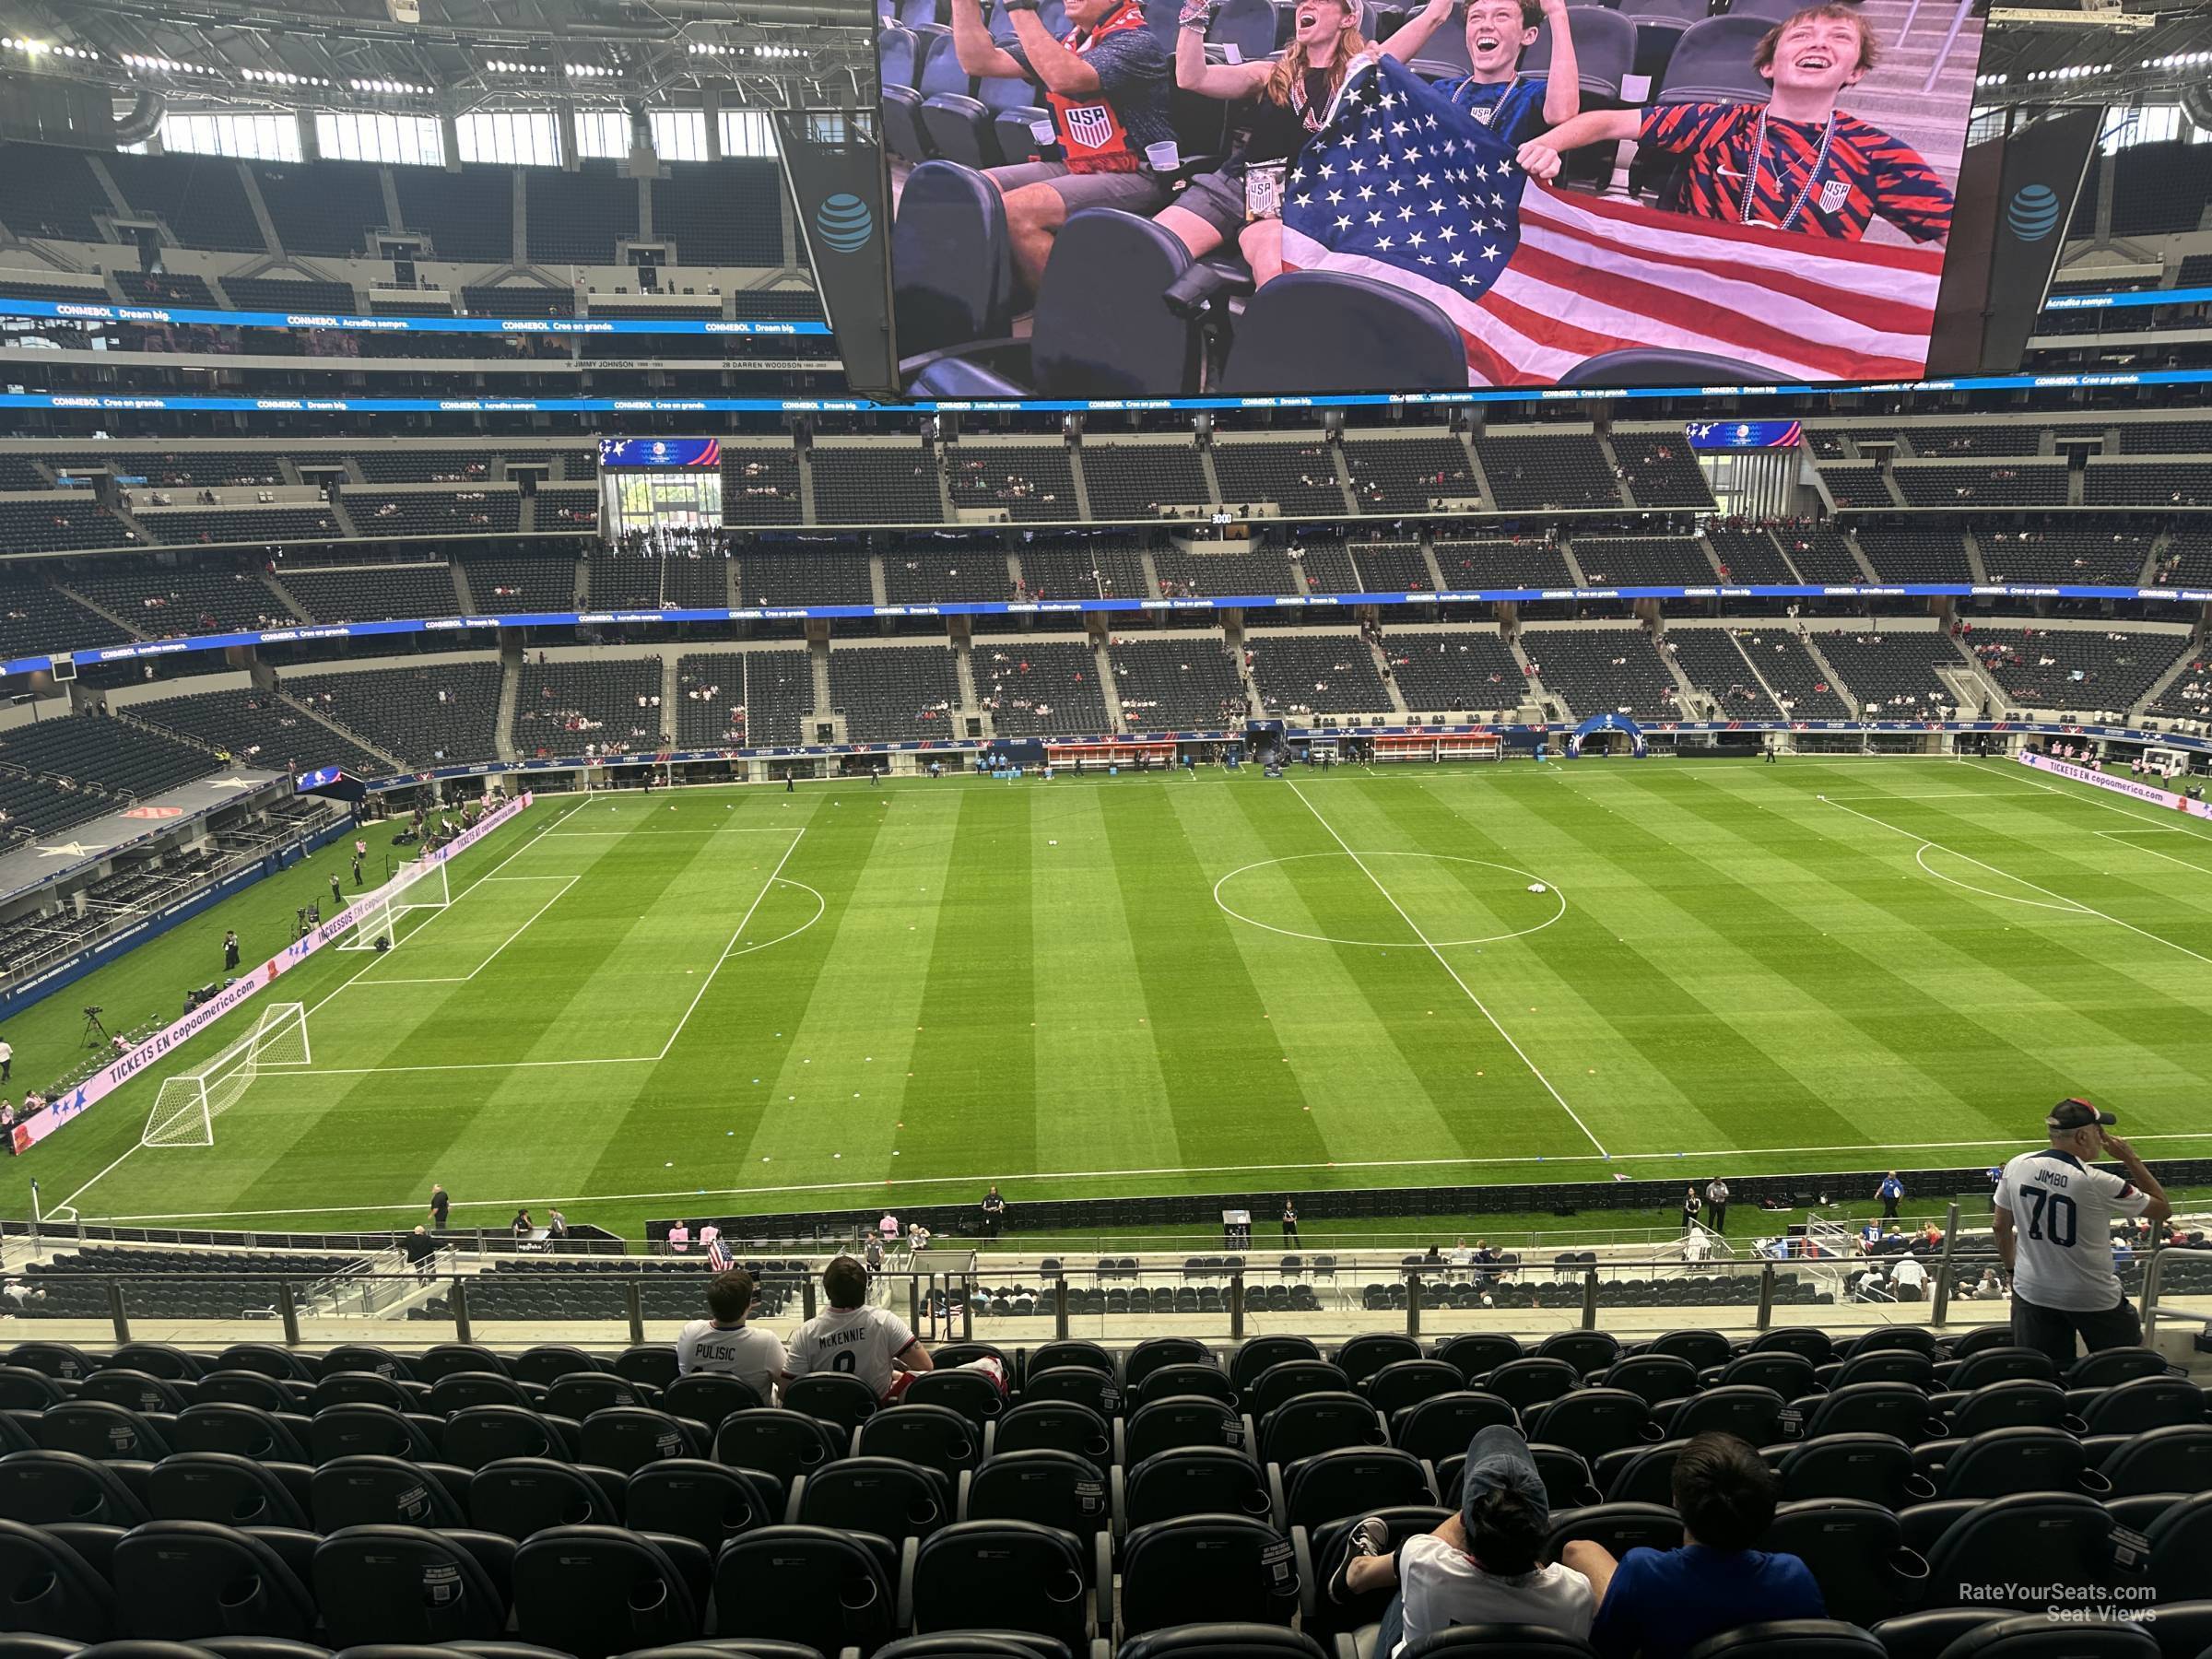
<point x="417" y="887"/>
<point x="185" y="1110"/>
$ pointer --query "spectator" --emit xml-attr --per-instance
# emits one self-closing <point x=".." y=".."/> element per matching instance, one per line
<point x="1482" y="1566"/>
<point x="1909" y="1279"/>
<point x="2054" y="1225"/>
<point x="1663" y="1603"/>
<point x="724" y="1343"/>
<point x="870" y="1343"/>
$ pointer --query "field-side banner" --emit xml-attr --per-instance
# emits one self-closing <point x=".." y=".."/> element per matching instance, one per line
<point x="2127" y="786"/>
<point x="89" y="1093"/>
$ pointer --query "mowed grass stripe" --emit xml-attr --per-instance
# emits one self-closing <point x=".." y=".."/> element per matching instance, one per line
<point x="1234" y="1099"/>
<point x="1827" y="1038"/>
<point x="1389" y="1050"/>
<point x="831" y="1107"/>
<point x="1996" y="987"/>
<point x="975" y="1056"/>
<point x="607" y="969"/>
<point x="1101" y="1097"/>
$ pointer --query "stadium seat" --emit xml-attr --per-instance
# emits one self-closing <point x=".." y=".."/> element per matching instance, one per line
<point x="1477" y="1354"/>
<point x="1051" y="1426"/>
<point x="40" y="1488"/>
<point x="599" y="1591"/>
<point x="1442" y="1426"/>
<point x="1330" y="1485"/>
<point x="23" y="1389"/>
<point x="1204" y="1569"/>
<point x="2004" y="1364"/>
<point x="549" y="1361"/>
<point x="1191" y="1480"/>
<point x="1896" y="1408"/>
<point x="1874" y="1468"/>
<point x="934" y="1436"/>
<point x="1748" y="1410"/>
<point x="822" y="1579"/>
<point x="1099" y="328"/>
<point x="1049" y="1355"/>
<point x="132" y="1390"/>
<point x="1655" y="1378"/>
<point x="1659" y="24"/>
<point x="2177" y="1458"/>
<point x="379" y="1492"/>
<point x="1051" y="1488"/>
<point x="347" y="1357"/>
<point x="886" y="1496"/>
<point x="477" y="1435"/>
<point x="517" y="1497"/>
<point x="2017" y="1402"/>
<point x="784" y="1442"/>
<point x="2111" y="1366"/>
<point x="1530" y="1382"/>
<point x="628" y="1437"/>
<point x="403" y="1583"/>
<point x="247" y="1431"/>
<point x="1594" y="1421"/>
<point x="953" y="280"/>
<point x="244" y="1388"/>
<point x="1406" y="1382"/>
<point x="97" y="1430"/>
<point x="1641" y="366"/>
<point x="229" y="1490"/>
<point x="693" y="1499"/>
<point x="1929" y="1634"/>
<point x="1290" y="1378"/>
<point x="1604" y="51"/>
<point x="457" y="1391"/>
<point x="447" y="1358"/>
<point x="2006" y="1460"/>
<point x="268" y="1358"/>
<point x="49" y="1589"/>
<point x="1499" y="1641"/>
<point x="580" y="1393"/>
<point x="2064" y="1534"/>
<point x="1181" y="1420"/>
<point x="836" y="1397"/>
<point x="1222" y="1642"/>
<point x="1321" y="1422"/>
<point x="2142" y="1403"/>
<point x="1712" y="63"/>
<point x="1619" y="1527"/>
<point x="1208" y="1380"/>
<point x="1079" y="1384"/>
<point x="176" y="1580"/>
<point x="2052" y="1636"/>
<point x="1857" y="1550"/>
<point x="364" y="1387"/>
<point x="2178" y="1542"/>
<point x="653" y="1364"/>
<point x="966" y="128"/>
<point x="1328" y="331"/>
<point x="1791" y="1638"/>
<point x="972" y="1394"/>
<point x="1032" y="1578"/>
<point x="1255" y="1355"/>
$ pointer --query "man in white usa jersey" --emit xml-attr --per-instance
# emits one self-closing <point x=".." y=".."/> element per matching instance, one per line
<point x="2053" y="1221"/>
<point x="873" y="1344"/>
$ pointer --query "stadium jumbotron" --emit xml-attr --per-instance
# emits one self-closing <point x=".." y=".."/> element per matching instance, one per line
<point x="1106" y="829"/>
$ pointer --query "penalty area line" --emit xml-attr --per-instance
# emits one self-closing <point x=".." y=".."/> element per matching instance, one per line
<point x="139" y="1145"/>
<point x="1733" y="1153"/>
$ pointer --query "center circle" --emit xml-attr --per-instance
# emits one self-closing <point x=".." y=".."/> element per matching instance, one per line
<point x="1371" y="859"/>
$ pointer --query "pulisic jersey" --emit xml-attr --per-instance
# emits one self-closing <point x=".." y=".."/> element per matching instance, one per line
<point x="861" y="1341"/>
<point x="749" y="1353"/>
<point x="1867" y="174"/>
<point x="2062" y="1222"/>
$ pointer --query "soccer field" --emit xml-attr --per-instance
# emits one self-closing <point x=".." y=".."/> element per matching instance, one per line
<point x="749" y="1000"/>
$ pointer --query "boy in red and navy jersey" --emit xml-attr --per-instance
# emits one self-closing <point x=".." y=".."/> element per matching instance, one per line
<point x="1793" y="163"/>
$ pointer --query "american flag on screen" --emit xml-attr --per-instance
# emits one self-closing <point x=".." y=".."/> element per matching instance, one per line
<point x="1402" y="186"/>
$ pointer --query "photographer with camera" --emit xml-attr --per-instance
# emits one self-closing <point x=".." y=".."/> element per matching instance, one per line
<point x="1106" y="85"/>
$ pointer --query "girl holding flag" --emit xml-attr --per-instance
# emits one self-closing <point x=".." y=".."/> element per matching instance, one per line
<point x="1291" y="98"/>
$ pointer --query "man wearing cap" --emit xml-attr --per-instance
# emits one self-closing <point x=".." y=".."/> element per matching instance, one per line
<point x="1483" y="1566"/>
<point x="2054" y="1224"/>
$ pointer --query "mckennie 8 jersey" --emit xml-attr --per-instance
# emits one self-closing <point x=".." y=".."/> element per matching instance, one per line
<point x="2062" y="1217"/>
<point x="860" y="1340"/>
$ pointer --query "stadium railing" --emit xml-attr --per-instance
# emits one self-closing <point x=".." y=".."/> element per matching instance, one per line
<point x="965" y="1299"/>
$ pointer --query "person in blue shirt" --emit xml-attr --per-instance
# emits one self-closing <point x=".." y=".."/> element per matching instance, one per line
<point x="1890" y="1192"/>
<point x="1516" y="106"/>
<point x="1662" y="1603"/>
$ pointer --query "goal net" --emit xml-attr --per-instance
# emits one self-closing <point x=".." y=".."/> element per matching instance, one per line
<point x="417" y="887"/>
<point x="185" y="1110"/>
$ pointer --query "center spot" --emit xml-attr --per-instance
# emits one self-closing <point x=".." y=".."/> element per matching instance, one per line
<point x="1450" y="900"/>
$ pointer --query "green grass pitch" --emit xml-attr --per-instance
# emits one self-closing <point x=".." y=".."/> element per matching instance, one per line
<point x="749" y="1000"/>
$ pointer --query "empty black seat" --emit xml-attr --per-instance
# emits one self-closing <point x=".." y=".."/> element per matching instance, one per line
<point x="231" y="1426"/>
<point x="379" y="1492"/>
<point x="1205" y="1568"/>
<point x="477" y="1435"/>
<point x="2066" y="1536"/>
<point x="2051" y="1636"/>
<point x="1595" y="1422"/>
<point x="375" y="1431"/>
<point x="833" y="1397"/>
<point x="220" y="1486"/>
<point x="1791" y="1638"/>
<point x="1330" y="1485"/>
<point x="1052" y="1489"/>
<point x="1194" y="1481"/>
<point x="1442" y="1427"/>
<point x="403" y="1583"/>
<point x="178" y="1580"/>
<point x="785" y="1443"/>
<point x="42" y="1488"/>
<point x="1051" y="1426"/>
<point x="519" y="1496"/>
<point x="628" y="1437"/>
<point x="97" y="1430"/>
<point x="703" y="1397"/>
<point x="825" y="1581"/>
<point x="973" y="1394"/>
<point x="1314" y="1423"/>
<point x="887" y="1496"/>
<point x="49" y="1589"/>
<point x="934" y="1436"/>
<point x="1031" y="1578"/>
<point x="1857" y="1551"/>
<point x="595" y="1591"/>
<point x="694" y="1499"/>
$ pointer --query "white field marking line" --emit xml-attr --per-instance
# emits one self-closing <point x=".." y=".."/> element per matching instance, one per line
<point x="1009" y="1175"/>
<point x="2008" y="876"/>
<point x="821" y="907"/>
<point x="1287" y="933"/>
<point x="1921" y="858"/>
<point x="2098" y="797"/>
<point x="139" y="1146"/>
<point x="1445" y="964"/>
<point x="743" y="923"/>
<point x="2121" y="836"/>
<point x="462" y="979"/>
<point x="1950" y="795"/>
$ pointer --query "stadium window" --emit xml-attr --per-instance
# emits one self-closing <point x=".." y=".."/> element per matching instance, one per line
<point x="602" y="134"/>
<point x="748" y="133"/>
<point x="515" y="138"/>
<point x="2151" y="123"/>
<point x="258" y="138"/>
<point x="679" y="135"/>
<point x="403" y="140"/>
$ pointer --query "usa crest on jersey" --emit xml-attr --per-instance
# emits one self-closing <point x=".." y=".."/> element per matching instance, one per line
<point x="1834" y="193"/>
